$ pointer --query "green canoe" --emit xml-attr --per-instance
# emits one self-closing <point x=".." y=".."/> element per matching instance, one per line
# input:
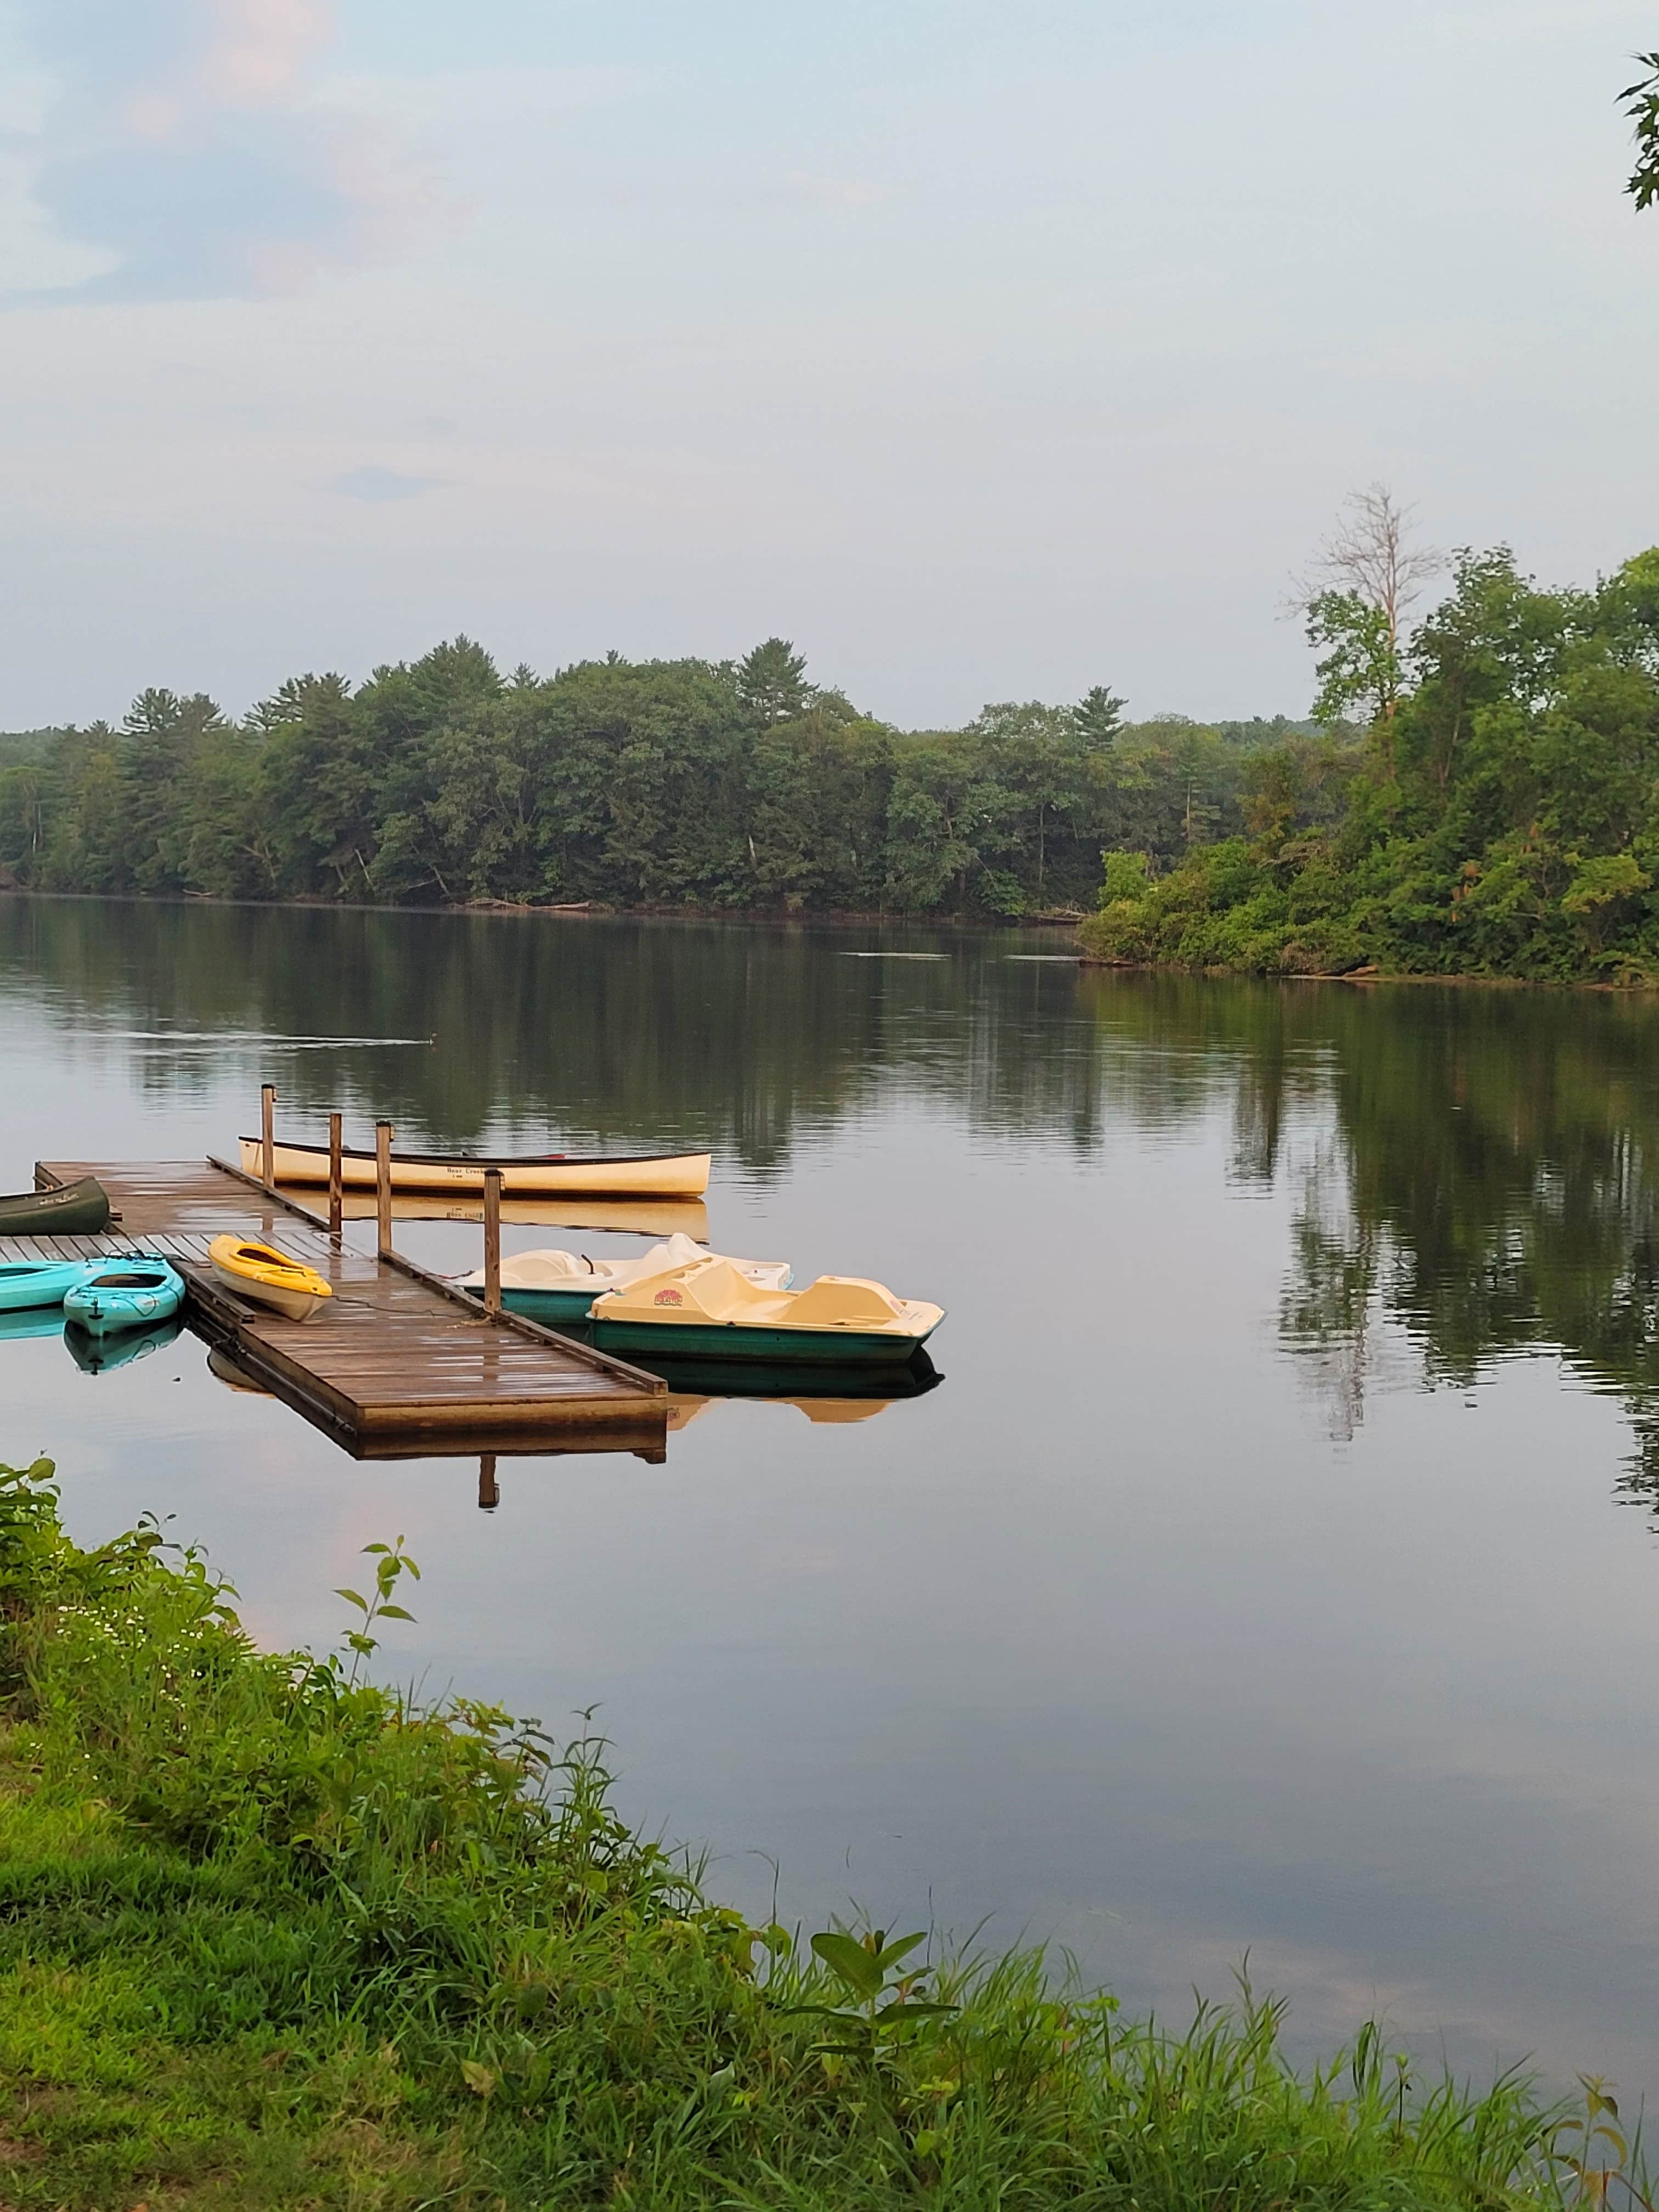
<point x="64" y="1209"/>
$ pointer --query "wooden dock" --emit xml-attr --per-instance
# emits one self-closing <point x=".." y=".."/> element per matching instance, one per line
<point x="398" y="1364"/>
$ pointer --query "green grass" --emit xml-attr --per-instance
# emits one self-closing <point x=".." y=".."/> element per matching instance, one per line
<point x="273" y="1937"/>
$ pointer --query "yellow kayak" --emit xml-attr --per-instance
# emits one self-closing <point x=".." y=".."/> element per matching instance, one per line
<point x="260" y="1271"/>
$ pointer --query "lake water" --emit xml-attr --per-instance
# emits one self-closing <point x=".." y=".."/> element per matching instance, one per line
<point x="1273" y="1571"/>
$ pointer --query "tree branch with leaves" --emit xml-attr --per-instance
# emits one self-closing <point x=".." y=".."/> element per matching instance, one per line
<point x="1640" y="101"/>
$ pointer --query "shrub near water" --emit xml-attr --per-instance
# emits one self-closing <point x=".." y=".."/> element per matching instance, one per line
<point x="1223" y="908"/>
<point x="1500" y="818"/>
<point x="272" y="1936"/>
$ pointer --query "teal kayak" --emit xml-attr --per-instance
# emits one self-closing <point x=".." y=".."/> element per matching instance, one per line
<point x="134" y="1292"/>
<point x="27" y="1284"/>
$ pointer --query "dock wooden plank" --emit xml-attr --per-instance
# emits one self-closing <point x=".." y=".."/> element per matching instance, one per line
<point x="399" y="1359"/>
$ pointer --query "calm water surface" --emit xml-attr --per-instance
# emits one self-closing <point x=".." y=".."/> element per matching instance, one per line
<point x="1275" y="1569"/>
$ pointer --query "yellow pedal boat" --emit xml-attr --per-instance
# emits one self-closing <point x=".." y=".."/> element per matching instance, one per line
<point x="260" y="1271"/>
<point x="711" y="1310"/>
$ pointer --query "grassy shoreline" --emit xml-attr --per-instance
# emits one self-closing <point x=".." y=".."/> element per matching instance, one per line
<point x="1367" y="978"/>
<point x="271" y="1936"/>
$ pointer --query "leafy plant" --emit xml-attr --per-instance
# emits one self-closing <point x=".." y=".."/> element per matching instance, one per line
<point x="394" y="1562"/>
<point x="881" y="2002"/>
<point x="1604" y="2159"/>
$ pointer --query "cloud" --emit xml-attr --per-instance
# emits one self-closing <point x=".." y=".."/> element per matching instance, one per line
<point x="182" y="140"/>
<point x="466" y="99"/>
<point x="262" y="46"/>
<point x="834" y="192"/>
<point x="378" y="484"/>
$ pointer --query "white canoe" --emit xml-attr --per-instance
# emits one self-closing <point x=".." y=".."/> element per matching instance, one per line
<point x="639" y="1174"/>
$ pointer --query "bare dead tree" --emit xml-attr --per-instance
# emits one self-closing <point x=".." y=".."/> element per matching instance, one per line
<point x="1371" y="554"/>
<point x="1354" y="598"/>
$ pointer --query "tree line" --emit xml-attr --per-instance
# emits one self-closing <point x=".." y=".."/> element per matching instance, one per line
<point x="1476" y="793"/>
<point x="1499" y="816"/>
<point x="689" y="783"/>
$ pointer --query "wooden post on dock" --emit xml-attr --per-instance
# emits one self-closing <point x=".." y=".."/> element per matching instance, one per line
<point x="383" y="1183"/>
<point x="268" y="1136"/>
<point x="335" y="1176"/>
<point x="492" y="1183"/>
<point x="489" y="1491"/>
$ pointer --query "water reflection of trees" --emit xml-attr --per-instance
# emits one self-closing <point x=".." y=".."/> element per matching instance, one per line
<point x="1491" y="1186"/>
<point x="1478" y="1167"/>
<point x="746" y="1038"/>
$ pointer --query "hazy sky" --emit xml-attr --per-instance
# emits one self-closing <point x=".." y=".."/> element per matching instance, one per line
<point x="986" y="351"/>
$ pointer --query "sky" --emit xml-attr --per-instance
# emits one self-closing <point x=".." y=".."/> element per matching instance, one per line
<point x="986" y="353"/>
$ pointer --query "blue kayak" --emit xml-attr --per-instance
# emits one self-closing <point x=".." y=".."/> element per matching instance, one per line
<point x="134" y="1292"/>
<point x="27" y="1284"/>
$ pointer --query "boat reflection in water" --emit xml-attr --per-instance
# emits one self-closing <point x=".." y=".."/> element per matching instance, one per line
<point x="821" y="1411"/>
<point x="102" y="1355"/>
<point x="640" y="1217"/>
<point x="223" y="1369"/>
<point x="857" y="1394"/>
<point x="31" y="1321"/>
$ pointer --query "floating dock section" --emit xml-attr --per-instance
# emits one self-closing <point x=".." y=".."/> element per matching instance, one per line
<point x="398" y="1364"/>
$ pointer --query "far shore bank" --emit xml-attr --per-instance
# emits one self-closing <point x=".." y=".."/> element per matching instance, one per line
<point x="1054" y="924"/>
<point x="584" y="910"/>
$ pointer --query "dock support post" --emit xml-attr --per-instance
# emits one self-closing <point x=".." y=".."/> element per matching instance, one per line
<point x="268" y="1136"/>
<point x="492" y="1225"/>
<point x="383" y="1183"/>
<point x="489" y="1491"/>
<point x="335" y="1194"/>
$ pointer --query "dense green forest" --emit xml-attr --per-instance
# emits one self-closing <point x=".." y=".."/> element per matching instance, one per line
<point x="685" y="783"/>
<point x="1500" y="815"/>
